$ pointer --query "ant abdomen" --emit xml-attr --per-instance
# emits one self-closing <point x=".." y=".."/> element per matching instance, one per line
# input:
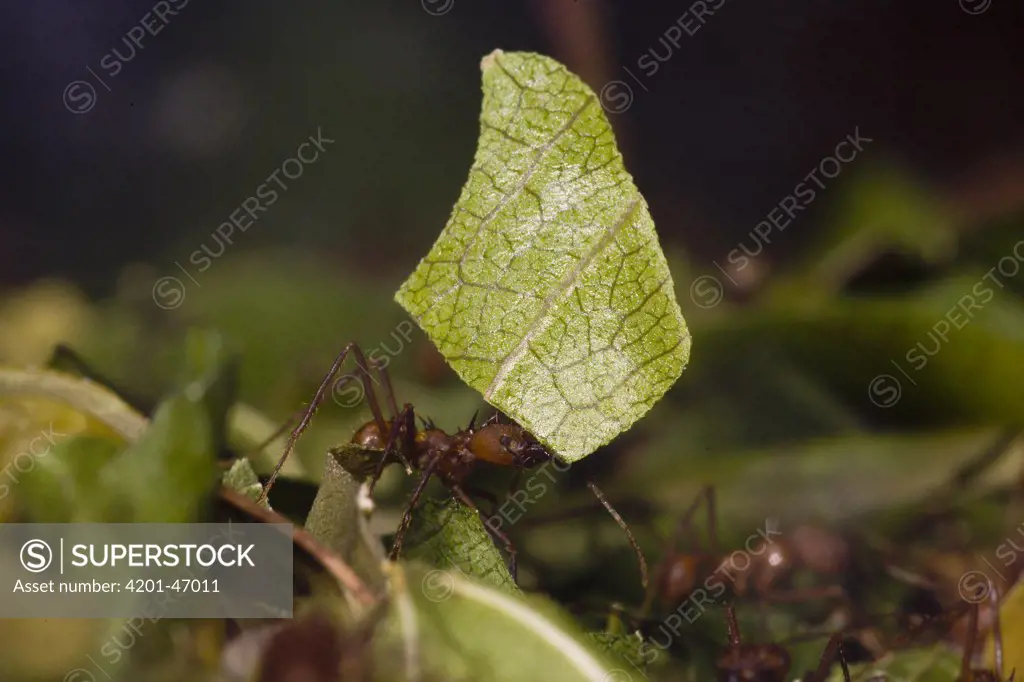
<point x="369" y="436"/>
<point x="683" y="576"/>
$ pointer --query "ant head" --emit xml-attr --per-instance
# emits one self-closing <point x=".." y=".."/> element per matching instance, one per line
<point x="506" y="445"/>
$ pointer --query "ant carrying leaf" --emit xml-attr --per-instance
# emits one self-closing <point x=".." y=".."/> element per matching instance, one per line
<point x="434" y="452"/>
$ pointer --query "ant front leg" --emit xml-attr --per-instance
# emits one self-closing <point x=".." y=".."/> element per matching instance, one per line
<point x="509" y="547"/>
<point x="401" y="442"/>
<point x="396" y="547"/>
<point x="318" y="398"/>
<point x="622" y="524"/>
<point x="833" y="650"/>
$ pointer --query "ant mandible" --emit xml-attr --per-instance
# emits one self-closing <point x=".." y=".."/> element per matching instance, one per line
<point x="682" y="575"/>
<point x="770" y="662"/>
<point x="432" y="451"/>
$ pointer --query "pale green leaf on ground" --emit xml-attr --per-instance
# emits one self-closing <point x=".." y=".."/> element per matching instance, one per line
<point x="935" y="664"/>
<point x="242" y="478"/>
<point x="449" y="535"/>
<point x="547" y="290"/>
<point x="438" y="620"/>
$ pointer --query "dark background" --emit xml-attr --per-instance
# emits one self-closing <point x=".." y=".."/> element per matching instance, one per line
<point x="739" y="113"/>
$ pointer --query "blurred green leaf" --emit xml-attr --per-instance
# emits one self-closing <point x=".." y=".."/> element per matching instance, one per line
<point x="165" y="475"/>
<point x="437" y="619"/>
<point x="65" y="487"/>
<point x="448" y="534"/>
<point x="880" y="208"/>
<point x="548" y="291"/>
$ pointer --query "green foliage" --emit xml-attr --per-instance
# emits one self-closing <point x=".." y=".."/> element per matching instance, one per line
<point x="449" y="535"/>
<point x="548" y="291"/>
<point x="452" y="628"/>
<point x="933" y="664"/>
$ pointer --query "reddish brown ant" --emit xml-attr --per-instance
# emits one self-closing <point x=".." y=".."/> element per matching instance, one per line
<point x="452" y="457"/>
<point x="682" y="575"/>
<point x="770" y="662"/>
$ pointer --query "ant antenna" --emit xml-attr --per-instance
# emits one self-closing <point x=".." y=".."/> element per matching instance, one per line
<point x="622" y="524"/>
<point x="997" y="631"/>
<point x="389" y="390"/>
<point x="472" y="420"/>
<point x="972" y="635"/>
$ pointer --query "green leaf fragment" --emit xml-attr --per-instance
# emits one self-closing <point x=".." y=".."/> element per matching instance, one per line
<point x="451" y="628"/>
<point x="547" y="291"/>
<point x="242" y="478"/>
<point x="450" y="535"/>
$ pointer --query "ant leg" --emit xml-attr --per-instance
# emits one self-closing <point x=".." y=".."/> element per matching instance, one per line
<point x="997" y="631"/>
<point x="622" y="524"/>
<point x="486" y="495"/>
<point x="396" y="547"/>
<point x="509" y="547"/>
<point x="972" y="635"/>
<point x="401" y="428"/>
<point x="833" y="649"/>
<point x="321" y="393"/>
<point x="389" y="391"/>
<point x="732" y="625"/>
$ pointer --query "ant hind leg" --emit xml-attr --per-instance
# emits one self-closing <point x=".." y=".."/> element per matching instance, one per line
<point x="318" y="398"/>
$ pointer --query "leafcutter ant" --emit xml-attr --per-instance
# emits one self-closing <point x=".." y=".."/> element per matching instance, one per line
<point x="432" y="451"/>
<point x="701" y="575"/>
<point x="770" y="662"/>
<point x="972" y="637"/>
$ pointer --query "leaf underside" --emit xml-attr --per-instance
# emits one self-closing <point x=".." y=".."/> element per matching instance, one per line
<point x="547" y="291"/>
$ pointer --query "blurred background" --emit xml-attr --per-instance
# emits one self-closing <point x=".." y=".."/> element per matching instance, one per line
<point x="133" y="131"/>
